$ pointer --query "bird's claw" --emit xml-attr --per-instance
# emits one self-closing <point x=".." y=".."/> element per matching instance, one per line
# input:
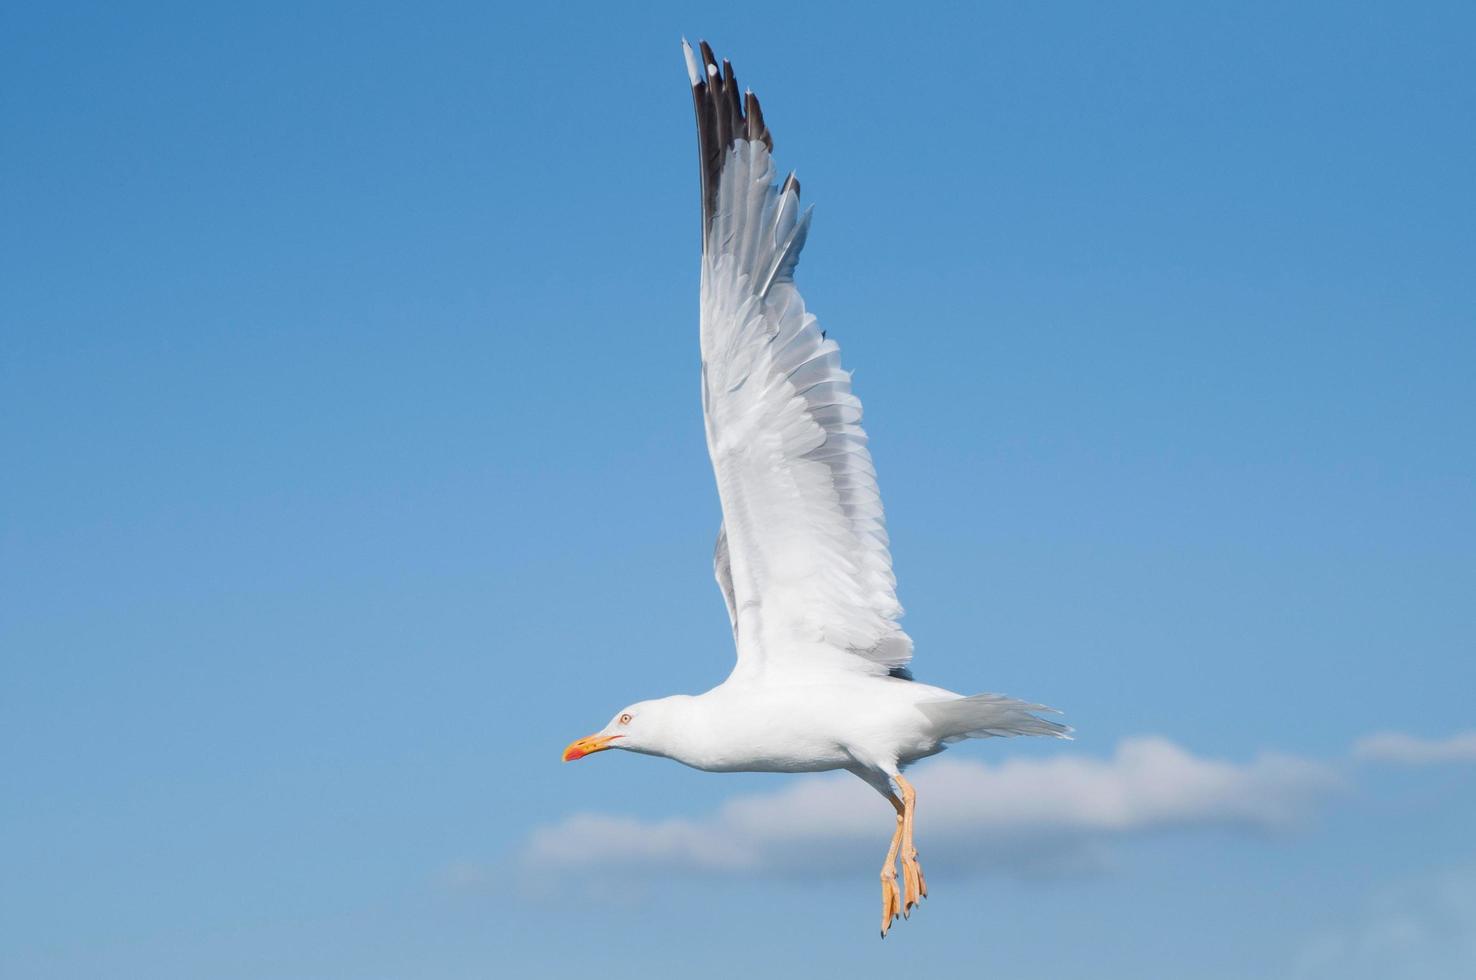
<point x="915" y="886"/>
<point x="891" y="902"/>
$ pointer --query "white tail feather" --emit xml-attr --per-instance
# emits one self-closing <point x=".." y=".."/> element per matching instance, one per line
<point x="989" y="715"/>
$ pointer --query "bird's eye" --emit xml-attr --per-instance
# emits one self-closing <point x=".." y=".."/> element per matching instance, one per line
<point x="625" y="718"/>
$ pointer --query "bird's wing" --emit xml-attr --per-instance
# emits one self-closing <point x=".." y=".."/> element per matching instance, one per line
<point x="722" y="570"/>
<point x="802" y="556"/>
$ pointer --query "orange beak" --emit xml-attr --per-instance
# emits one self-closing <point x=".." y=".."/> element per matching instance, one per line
<point x="588" y="746"/>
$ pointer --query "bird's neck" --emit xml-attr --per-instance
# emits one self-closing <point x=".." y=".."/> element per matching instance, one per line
<point x="692" y="730"/>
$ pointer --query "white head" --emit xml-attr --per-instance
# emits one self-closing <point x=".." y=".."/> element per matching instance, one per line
<point x="646" y="726"/>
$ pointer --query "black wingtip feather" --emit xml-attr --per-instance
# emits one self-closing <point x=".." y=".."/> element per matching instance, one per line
<point x="724" y="115"/>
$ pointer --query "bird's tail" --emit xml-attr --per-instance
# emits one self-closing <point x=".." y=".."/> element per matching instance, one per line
<point x="989" y="715"/>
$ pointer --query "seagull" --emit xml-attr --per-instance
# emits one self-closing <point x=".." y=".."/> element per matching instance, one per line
<point x="802" y="558"/>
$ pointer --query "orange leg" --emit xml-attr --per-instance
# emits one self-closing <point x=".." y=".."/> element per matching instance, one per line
<point x="891" y="901"/>
<point x="915" y="887"/>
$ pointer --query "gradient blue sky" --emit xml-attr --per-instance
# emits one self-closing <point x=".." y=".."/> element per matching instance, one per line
<point x="353" y="464"/>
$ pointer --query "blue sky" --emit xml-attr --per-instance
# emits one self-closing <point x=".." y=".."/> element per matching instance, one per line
<point x="354" y="465"/>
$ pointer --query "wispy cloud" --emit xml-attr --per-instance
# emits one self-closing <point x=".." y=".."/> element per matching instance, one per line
<point x="1410" y="750"/>
<point x="1421" y="927"/>
<point x="1026" y="815"/>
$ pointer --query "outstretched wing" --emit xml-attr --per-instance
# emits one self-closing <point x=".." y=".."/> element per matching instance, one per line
<point x="802" y="556"/>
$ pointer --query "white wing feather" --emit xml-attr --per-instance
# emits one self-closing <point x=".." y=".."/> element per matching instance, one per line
<point x="808" y="571"/>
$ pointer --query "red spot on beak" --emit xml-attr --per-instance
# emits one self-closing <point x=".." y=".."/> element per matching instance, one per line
<point x="588" y="746"/>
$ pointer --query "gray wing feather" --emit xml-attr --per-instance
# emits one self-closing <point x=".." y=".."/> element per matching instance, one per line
<point x="722" y="570"/>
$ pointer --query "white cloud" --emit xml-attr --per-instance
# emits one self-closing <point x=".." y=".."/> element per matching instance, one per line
<point x="1422" y="927"/>
<point x="1410" y="750"/>
<point x="1022" y="814"/>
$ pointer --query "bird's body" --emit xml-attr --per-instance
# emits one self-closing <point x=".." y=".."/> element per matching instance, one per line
<point x="802" y="558"/>
<point x="858" y="722"/>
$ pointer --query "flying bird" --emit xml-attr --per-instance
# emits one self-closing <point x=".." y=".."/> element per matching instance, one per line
<point x="802" y="557"/>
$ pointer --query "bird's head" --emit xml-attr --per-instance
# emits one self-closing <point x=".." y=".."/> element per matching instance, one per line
<point x="642" y="727"/>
